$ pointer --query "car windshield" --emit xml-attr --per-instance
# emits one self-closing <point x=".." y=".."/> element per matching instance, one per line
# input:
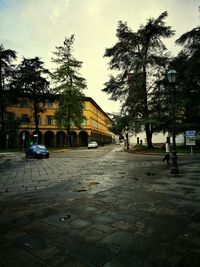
<point x="39" y="147"/>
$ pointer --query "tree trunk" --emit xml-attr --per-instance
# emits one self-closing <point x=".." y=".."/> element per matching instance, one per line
<point x="148" y="136"/>
<point x="146" y="111"/>
<point x="2" y="111"/>
<point x="36" y="118"/>
<point x="36" y="115"/>
<point x="68" y="136"/>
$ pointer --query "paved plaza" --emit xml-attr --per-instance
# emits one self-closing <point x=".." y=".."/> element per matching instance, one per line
<point x="101" y="207"/>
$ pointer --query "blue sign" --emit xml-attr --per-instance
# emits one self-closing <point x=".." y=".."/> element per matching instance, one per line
<point x="190" y="133"/>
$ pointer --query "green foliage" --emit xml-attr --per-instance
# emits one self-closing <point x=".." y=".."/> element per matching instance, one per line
<point x="12" y="123"/>
<point x="69" y="86"/>
<point x="140" y="59"/>
<point x="67" y="73"/>
<point x="187" y="65"/>
<point x="119" y="123"/>
<point x="31" y="82"/>
<point x="6" y="70"/>
<point x="31" y="78"/>
<point x="69" y="114"/>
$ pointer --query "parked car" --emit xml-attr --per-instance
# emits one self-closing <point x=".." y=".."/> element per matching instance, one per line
<point x="37" y="151"/>
<point x="93" y="144"/>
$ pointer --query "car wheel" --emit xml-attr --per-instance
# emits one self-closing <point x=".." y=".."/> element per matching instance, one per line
<point x="47" y="156"/>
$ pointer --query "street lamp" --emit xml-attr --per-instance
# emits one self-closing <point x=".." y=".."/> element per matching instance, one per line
<point x="171" y="75"/>
<point x="36" y="137"/>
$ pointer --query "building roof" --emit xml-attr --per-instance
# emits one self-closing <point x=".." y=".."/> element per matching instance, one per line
<point x="86" y="98"/>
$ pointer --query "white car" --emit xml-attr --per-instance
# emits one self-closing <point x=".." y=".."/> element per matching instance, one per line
<point x="93" y="144"/>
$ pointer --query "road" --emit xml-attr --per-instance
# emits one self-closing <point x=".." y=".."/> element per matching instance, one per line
<point x="101" y="207"/>
<point x="19" y="174"/>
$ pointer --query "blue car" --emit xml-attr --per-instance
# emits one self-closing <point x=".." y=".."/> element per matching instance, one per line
<point x="37" y="151"/>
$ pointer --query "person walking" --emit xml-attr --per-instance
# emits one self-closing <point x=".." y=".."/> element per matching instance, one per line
<point x="166" y="152"/>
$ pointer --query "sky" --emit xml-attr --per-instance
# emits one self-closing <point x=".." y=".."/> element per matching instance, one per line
<point x="35" y="27"/>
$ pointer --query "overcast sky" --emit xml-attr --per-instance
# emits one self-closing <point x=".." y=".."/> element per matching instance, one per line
<point x="36" y="27"/>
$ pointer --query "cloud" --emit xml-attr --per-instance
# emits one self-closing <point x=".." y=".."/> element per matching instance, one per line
<point x="35" y="28"/>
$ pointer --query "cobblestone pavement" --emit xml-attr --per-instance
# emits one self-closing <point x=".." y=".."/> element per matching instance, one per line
<point x="99" y="208"/>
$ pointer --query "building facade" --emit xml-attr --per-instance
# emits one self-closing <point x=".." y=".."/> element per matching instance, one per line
<point x="94" y="128"/>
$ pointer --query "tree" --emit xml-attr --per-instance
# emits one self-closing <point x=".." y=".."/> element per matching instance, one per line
<point x="12" y="125"/>
<point x="187" y="65"/>
<point x="69" y="86"/>
<point x="119" y="123"/>
<point x="31" y="81"/>
<point x="139" y="59"/>
<point x="6" y="58"/>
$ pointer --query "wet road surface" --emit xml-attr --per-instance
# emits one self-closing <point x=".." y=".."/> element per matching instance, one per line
<point x="101" y="207"/>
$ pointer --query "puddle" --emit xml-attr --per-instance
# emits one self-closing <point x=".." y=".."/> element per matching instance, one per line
<point x="150" y="174"/>
<point x="65" y="218"/>
<point x="88" y="185"/>
<point x="80" y="190"/>
<point x="93" y="183"/>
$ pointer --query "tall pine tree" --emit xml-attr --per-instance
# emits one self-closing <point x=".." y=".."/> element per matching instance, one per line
<point x="139" y="58"/>
<point x="31" y="80"/>
<point x="187" y="65"/>
<point x="6" y="58"/>
<point x="68" y="86"/>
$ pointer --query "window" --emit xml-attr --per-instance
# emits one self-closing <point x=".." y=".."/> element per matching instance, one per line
<point x="25" y="119"/>
<point x="49" y="120"/>
<point x="93" y="123"/>
<point x="24" y="103"/>
<point x="48" y="103"/>
<point x="39" y="119"/>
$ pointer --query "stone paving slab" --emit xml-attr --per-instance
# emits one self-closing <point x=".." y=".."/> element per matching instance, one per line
<point x="123" y="213"/>
<point x="128" y="260"/>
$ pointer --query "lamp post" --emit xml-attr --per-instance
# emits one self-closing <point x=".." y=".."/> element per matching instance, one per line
<point x="36" y="138"/>
<point x="7" y="137"/>
<point x="171" y="75"/>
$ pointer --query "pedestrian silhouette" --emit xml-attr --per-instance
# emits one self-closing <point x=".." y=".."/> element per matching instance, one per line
<point x="166" y="148"/>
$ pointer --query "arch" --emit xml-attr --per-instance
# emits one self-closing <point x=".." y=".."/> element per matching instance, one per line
<point x="73" y="138"/>
<point x="49" y="139"/>
<point x="94" y="136"/>
<point x="36" y="139"/>
<point x="83" y="138"/>
<point x="60" y="139"/>
<point x="100" y="140"/>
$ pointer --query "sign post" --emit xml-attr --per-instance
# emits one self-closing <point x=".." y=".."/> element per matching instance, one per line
<point x="23" y="138"/>
<point x="7" y="137"/>
<point x="190" y="139"/>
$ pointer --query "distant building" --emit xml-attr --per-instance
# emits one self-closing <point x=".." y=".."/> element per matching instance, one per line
<point x="94" y="128"/>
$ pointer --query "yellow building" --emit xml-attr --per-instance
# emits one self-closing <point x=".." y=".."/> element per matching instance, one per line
<point x="94" y="128"/>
